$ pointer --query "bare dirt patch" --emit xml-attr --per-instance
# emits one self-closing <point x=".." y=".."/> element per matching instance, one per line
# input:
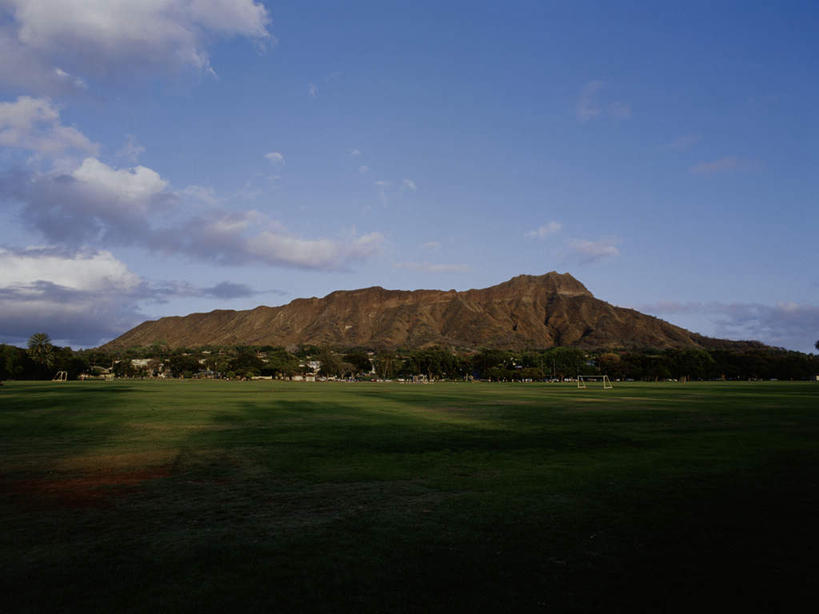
<point x="123" y="462"/>
<point x="90" y="490"/>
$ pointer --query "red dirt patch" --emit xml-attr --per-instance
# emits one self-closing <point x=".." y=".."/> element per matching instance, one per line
<point x="92" y="490"/>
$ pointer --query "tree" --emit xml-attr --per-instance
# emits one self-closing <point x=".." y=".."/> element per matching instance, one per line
<point x="15" y="363"/>
<point x="387" y="364"/>
<point x="183" y="366"/>
<point x="246" y="362"/>
<point x="330" y="363"/>
<point x="816" y="345"/>
<point x="280" y="362"/>
<point x="41" y="350"/>
<point x="360" y="360"/>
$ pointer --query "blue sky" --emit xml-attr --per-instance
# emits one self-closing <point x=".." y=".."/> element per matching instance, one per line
<point x="164" y="157"/>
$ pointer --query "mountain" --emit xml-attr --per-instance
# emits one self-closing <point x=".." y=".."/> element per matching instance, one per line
<point x="527" y="311"/>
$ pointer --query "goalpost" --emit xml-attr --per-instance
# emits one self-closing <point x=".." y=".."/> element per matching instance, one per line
<point x="61" y="376"/>
<point x="604" y="379"/>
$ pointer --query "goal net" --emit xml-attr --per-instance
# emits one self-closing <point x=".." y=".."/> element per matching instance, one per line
<point x="61" y="376"/>
<point x="603" y="379"/>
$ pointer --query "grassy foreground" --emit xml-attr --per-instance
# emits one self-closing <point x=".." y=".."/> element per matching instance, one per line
<point x="267" y="496"/>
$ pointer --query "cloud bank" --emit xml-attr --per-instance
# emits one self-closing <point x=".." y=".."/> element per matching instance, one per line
<point x="786" y="324"/>
<point x="83" y="297"/>
<point x="98" y="205"/>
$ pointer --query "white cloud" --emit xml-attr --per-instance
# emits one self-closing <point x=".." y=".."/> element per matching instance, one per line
<point x="431" y="246"/>
<point x="545" y="230"/>
<point x="275" y="158"/>
<point x="586" y="251"/>
<point x="102" y="37"/>
<point x="85" y="271"/>
<point x="363" y="169"/>
<point x="312" y="90"/>
<point x="355" y="152"/>
<point x="427" y="267"/>
<point x="408" y="184"/>
<point x="324" y="254"/>
<point x="134" y="187"/>
<point x="93" y="202"/>
<point x="34" y="124"/>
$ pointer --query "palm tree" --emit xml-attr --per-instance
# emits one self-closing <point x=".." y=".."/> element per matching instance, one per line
<point x="40" y="349"/>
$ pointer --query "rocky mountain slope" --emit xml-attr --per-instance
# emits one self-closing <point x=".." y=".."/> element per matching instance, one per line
<point x="525" y="312"/>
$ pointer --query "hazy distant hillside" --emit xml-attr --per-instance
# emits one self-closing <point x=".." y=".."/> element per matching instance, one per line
<point x="525" y="312"/>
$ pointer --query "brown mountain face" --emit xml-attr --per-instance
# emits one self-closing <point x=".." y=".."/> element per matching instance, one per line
<point x="526" y="312"/>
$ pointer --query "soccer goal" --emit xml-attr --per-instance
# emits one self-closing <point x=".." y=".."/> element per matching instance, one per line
<point x="61" y="376"/>
<point x="604" y="379"/>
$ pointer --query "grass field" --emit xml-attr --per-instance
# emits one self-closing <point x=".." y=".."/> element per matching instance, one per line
<point x="268" y="496"/>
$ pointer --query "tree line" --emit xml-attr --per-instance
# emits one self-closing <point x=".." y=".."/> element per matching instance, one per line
<point x="41" y="360"/>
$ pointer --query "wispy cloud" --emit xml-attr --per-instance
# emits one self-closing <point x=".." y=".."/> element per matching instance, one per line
<point x="381" y="187"/>
<point x="408" y="184"/>
<point x="71" y="79"/>
<point x="587" y="106"/>
<point x="591" y="104"/>
<point x="428" y="267"/>
<point x="723" y="165"/>
<point x="431" y="246"/>
<point x="203" y="194"/>
<point x="619" y="110"/>
<point x="683" y="143"/>
<point x="355" y="152"/>
<point x="541" y="232"/>
<point x="587" y="252"/>
<point x="276" y="158"/>
<point x="131" y="150"/>
<point x="312" y="90"/>
<point x="363" y="169"/>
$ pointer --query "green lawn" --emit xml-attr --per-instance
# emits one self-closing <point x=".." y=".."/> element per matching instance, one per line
<point x="268" y="496"/>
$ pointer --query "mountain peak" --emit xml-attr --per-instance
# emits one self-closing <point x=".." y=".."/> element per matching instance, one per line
<point x="553" y="282"/>
<point x="527" y="311"/>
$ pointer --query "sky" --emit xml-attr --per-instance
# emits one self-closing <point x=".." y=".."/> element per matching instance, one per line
<point x="163" y="157"/>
